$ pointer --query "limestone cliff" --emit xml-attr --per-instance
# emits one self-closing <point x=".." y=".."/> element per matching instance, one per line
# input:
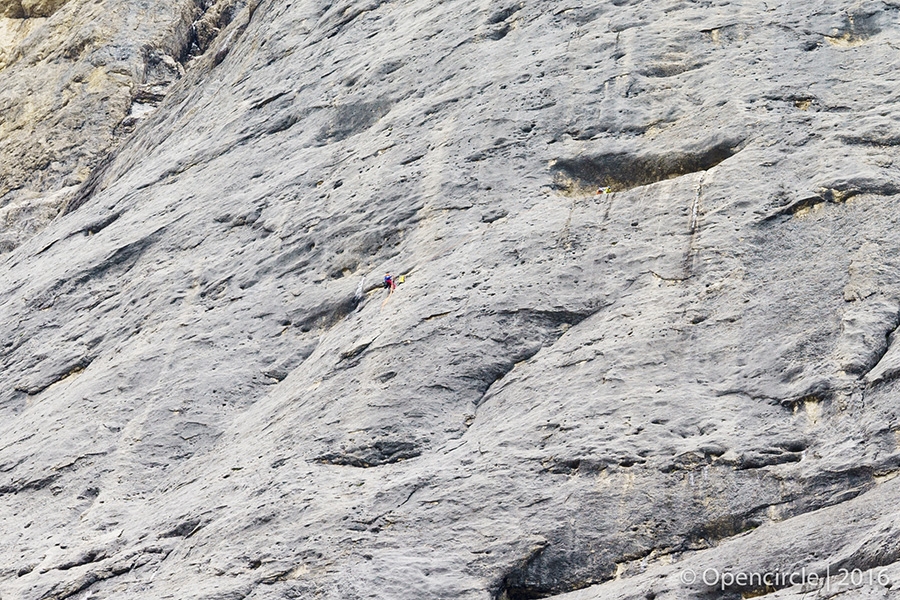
<point x="206" y="392"/>
<point x="77" y="76"/>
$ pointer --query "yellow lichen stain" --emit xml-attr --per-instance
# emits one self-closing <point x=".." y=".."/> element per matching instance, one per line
<point x="845" y="40"/>
<point x="666" y="559"/>
<point x="628" y="482"/>
<point x="715" y="35"/>
<point x="813" y="409"/>
<point x="602" y="479"/>
<point x="886" y="477"/>
<point x="806" y="211"/>
<point x="837" y="196"/>
<point x="709" y="502"/>
<point x="844" y="196"/>
<point x="82" y="173"/>
<point x="97" y="80"/>
<point x="295" y="573"/>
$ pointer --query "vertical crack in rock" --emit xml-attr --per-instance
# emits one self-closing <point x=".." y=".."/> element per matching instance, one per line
<point x="226" y="41"/>
<point x="690" y="256"/>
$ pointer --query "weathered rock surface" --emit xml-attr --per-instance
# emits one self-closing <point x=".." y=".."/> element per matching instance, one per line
<point x="75" y="77"/>
<point x="205" y="393"/>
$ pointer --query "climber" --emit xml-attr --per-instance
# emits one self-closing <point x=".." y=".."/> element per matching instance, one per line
<point x="604" y="190"/>
<point x="390" y="286"/>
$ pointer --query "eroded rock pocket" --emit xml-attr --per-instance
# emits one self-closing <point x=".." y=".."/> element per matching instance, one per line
<point x="549" y="571"/>
<point x="379" y="453"/>
<point x="622" y="171"/>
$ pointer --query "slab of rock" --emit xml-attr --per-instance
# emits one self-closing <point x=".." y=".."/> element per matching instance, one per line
<point x="206" y="392"/>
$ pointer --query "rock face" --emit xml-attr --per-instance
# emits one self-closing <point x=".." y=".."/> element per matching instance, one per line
<point x="76" y="77"/>
<point x="206" y="393"/>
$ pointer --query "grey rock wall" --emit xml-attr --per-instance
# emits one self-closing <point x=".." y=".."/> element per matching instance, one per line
<point x="75" y="78"/>
<point x="206" y="393"/>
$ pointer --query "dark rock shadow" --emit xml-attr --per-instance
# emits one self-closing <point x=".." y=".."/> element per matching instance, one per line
<point x="622" y="171"/>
